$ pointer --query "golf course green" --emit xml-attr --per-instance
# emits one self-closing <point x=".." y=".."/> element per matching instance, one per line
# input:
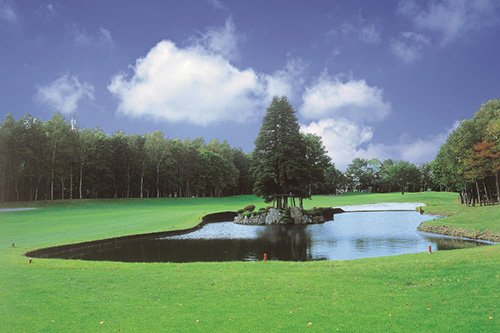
<point x="457" y="290"/>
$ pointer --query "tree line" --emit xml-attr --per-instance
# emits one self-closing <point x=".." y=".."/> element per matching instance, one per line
<point x="388" y="176"/>
<point x="54" y="159"/>
<point x="468" y="163"/>
<point x="47" y="160"/>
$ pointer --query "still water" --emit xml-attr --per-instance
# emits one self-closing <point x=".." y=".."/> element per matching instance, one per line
<point x="349" y="236"/>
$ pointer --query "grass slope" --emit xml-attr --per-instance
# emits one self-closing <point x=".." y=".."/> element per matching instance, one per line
<point x="448" y="290"/>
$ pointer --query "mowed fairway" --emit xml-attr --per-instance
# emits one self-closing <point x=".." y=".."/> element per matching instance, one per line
<point x="455" y="290"/>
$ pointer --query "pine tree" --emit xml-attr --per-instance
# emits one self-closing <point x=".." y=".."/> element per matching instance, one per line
<point x="280" y="155"/>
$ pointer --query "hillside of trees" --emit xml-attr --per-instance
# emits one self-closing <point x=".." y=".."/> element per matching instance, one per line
<point x="54" y="159"/>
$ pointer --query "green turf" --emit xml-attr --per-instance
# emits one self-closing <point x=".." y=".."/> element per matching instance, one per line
<point x="446" y="291"/>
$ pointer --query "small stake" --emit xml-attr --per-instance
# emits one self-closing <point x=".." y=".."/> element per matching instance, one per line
<point x="265" y="257"/>
<point x="430" y="249"/>
<point x="12" y="244"/>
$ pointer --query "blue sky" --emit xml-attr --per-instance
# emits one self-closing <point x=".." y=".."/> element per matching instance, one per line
<point x="384" y="79"/>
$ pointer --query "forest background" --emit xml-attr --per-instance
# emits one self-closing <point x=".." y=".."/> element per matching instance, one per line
<point x="55" y="159"/>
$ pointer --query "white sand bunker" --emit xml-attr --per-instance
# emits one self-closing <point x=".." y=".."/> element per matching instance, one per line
<point x="383" y="206"/>
<point x="14" y="209"/>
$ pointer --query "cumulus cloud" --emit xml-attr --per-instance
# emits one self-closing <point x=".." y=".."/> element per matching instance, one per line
<point x="409" y="47"/>
<point x="286" y="81"/>
<point x="451" y="18"/>
<point x="7" y="12"/>
<point x="221" y="41"/>
<point x="64" y="94"/>
<point x="352" y="99"/>
<point x="342" y="112"/>
<point x="345" y="140"/>
<point x="190" y="85"/>
<point x="198" y="84"/>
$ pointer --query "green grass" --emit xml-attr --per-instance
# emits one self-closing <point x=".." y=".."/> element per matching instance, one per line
<point x="447" y="291"/>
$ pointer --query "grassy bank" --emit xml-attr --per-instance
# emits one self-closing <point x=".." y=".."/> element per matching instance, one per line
<point x="448" y="290"/>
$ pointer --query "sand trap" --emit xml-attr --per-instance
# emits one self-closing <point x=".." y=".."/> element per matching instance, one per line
<point x="14" y="209"/>
<point x="383" y="206"/>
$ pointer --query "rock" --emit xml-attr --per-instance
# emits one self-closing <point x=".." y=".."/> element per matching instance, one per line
<point x="272" y="216"/>
<point x="298" y="216"/>
<point x="318" y="220"/>
<point x="254" y="219"/>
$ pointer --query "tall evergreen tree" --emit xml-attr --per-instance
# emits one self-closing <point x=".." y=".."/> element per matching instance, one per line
<point x="280" y="155"/>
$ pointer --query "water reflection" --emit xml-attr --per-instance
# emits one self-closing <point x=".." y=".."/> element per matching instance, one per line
<point x="450" y="243"/>
<point x="350" y="236"/>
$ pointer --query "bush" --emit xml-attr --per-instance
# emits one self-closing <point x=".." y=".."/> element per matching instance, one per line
<point x="285" y="216"/>
<point x="247" y="214"/>
<point x="249" y="208"/>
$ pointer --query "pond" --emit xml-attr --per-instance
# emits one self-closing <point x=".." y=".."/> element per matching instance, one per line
<point x="349" y="236"/>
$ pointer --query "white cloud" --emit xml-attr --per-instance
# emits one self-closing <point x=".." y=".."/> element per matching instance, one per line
<point x="365" y="33"/>
<point x="49" y="11"/>
<point x="217" y="4"/>
<point x="83" y="39"/>
<point x="105" y="36"/>
<point x="345" y="140"/>
<point x="65" y="93"/>
<point x="353" y="99"/>
<point x="451" y="18"/>
<point x="287" y="81"/>
<point x="7" y="12"/>
<point x="369" y="34"/>
<point x="190" y="85"/>
<point x="198" y="84"/>
<point x="221" y="41"/>
<point x="422" y="150"/>
<point x="409" y="47"/>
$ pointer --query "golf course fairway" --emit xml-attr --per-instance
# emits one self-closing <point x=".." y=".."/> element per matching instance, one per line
<point x="456" y="290"/>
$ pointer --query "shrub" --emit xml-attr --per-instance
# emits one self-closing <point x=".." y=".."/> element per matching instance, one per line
<point x="247" y="214"/>
<point x="286" y="217"/>
<point x="249" y="208"/>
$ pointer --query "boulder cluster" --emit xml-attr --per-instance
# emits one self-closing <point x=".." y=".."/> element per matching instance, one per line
<point x="274" y="216"/>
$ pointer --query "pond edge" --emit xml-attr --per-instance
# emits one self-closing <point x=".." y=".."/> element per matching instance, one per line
<point x="209" y="218"/>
